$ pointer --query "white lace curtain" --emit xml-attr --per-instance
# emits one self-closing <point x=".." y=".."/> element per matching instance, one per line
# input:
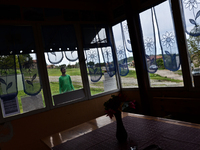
<point x="159" y="37"/>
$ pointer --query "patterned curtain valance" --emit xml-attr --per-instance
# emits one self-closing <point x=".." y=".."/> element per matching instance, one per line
<point x="71" y="55"/>
<point x="55" y="57"/>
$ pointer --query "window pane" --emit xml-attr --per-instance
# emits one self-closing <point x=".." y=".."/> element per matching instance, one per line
<point x="20" y="88"/>
<point x="61" y="54"/>
<point x="162" y="54"/>
<point x="29" y="85"/>
<point x="123" y="46"/>
<point x="54" y="72"/>
<point x="190" y="16"/>
<point x="99" y="59"/>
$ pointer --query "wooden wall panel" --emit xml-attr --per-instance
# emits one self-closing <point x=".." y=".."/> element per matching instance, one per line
<point x="29" y="130"/>
<point x="186" y="109"/>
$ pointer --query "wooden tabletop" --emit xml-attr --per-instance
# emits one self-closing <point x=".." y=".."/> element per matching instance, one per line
<point x="99" y="122"/>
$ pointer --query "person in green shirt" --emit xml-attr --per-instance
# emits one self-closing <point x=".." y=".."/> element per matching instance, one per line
<point x="65" y="83"/>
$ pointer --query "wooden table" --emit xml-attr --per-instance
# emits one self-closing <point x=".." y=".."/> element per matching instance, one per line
<point x="153" y="130"/>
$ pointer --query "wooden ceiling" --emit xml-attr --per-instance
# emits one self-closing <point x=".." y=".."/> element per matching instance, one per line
<point x="56" y="3"/>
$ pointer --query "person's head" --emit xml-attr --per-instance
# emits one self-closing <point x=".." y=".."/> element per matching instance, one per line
<point x="63" y="69"/>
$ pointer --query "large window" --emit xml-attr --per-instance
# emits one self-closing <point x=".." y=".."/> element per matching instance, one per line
<point x="124" y="53"/>
<point x="161" y="50"/>
<point x="61" y="53"/>
<point x="20" y="86"/>
<point x="101" y="65"/>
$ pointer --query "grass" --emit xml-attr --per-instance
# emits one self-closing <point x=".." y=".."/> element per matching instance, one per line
<point x="19" y="95"/>
<point x="55" y="88"/>
<point x="99" y="83"/>
<point x="179" y="72"/>
<point x="160" y="78"/>
<point x="131" y="74"/>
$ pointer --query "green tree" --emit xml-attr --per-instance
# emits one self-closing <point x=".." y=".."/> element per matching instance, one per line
<point x="69" y="66"/>
<point x="77" y="64"/>
<point x="160" y="63"/>
<point x="130" y="59"/>
<point x="26" y="61"/>
<point x="194" y="48"/>
<point x="7" y="64"/>
<point x="90" y="63"/>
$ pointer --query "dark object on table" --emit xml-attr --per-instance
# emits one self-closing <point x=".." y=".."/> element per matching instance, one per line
<point x="121" y="133"/>
<point x="153" y="147"/>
